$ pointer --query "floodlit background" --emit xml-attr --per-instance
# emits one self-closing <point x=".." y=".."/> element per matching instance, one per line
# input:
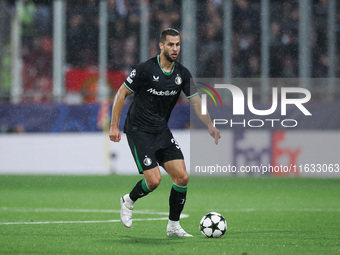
<point x="62" y="62"/>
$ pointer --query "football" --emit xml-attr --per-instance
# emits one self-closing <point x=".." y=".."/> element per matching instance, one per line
<point x="213" y="224"/>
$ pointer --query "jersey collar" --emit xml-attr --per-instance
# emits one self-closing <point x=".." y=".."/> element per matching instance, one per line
<point x="166" y="73"/>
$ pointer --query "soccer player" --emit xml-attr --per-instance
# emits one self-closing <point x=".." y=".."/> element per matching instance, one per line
<point x="156" y="85"/>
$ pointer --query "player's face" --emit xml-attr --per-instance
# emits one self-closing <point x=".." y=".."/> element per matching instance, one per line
<point x="171" y="47"/>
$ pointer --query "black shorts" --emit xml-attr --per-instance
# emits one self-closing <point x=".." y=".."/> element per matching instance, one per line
<point x="149" y="150"/>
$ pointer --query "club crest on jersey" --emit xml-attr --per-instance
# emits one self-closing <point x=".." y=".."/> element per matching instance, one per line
<point x="178" y="80"/>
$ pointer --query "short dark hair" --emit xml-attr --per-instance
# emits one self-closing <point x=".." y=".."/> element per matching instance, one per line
<point x="168" y="31"/>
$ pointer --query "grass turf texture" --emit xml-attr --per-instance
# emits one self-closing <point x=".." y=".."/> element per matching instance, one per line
<point x="264" y="215"/>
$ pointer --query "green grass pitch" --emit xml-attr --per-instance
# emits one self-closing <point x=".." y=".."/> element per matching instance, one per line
<point x="80" y="215"/>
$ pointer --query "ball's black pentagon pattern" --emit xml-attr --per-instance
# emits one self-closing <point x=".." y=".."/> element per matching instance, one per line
<point x="213" y="225"/>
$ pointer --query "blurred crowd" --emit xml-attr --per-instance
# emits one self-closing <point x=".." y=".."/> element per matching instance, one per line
<point x="246" y="39"/>
<point x="82" y="22"/>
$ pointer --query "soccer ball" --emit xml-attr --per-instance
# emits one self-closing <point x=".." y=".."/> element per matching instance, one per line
<point x="213" y="224"/>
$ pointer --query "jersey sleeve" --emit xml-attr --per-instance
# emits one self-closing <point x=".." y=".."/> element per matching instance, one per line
<point x="189" y="87"/>
<point x="135" y="77"/>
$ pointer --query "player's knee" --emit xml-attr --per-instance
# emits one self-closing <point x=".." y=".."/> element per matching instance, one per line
<point x="154" y="182"/>
<point x="183" y="180"/>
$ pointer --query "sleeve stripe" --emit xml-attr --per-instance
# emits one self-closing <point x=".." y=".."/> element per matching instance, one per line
<point x="128" y="87"/>
<point x="195" y="94"/>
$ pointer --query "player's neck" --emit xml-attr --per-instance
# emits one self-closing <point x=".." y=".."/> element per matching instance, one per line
<point x="165" y="64"/>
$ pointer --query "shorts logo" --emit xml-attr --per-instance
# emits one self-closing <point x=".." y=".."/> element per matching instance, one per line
<point x="147" y="161"/>
<point x="178" y="80"/>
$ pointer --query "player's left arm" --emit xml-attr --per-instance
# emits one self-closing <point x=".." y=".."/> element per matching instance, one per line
<point x="197" y="104"/>
<point x="117" y="107"/>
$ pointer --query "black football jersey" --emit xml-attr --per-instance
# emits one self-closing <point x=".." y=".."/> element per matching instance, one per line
<point x="155" y="95"/>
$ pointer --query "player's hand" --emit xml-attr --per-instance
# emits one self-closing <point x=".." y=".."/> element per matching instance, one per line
<point x="214" y="132"/>
<point x="115" y="134"/>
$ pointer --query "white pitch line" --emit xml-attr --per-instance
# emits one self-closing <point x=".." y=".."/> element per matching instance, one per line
<point x="278" y="210"/>
<point x="82" y="211"/>
<point x="77" y="210"/>
<point x="75" y="222"/>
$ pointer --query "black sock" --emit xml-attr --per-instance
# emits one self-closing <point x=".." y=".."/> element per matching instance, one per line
<point x="176" y="201"/>
<point x="140" y="190"/>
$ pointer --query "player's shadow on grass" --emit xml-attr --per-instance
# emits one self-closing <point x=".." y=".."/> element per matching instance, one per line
<point x="145" y="240"/>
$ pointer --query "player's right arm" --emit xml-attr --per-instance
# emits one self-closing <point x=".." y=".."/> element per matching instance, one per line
<point x="118" y="104"/>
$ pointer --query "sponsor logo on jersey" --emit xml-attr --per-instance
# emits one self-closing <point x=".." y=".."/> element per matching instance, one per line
<point x="178" y="80"/>
<point x="162" y="93"/>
